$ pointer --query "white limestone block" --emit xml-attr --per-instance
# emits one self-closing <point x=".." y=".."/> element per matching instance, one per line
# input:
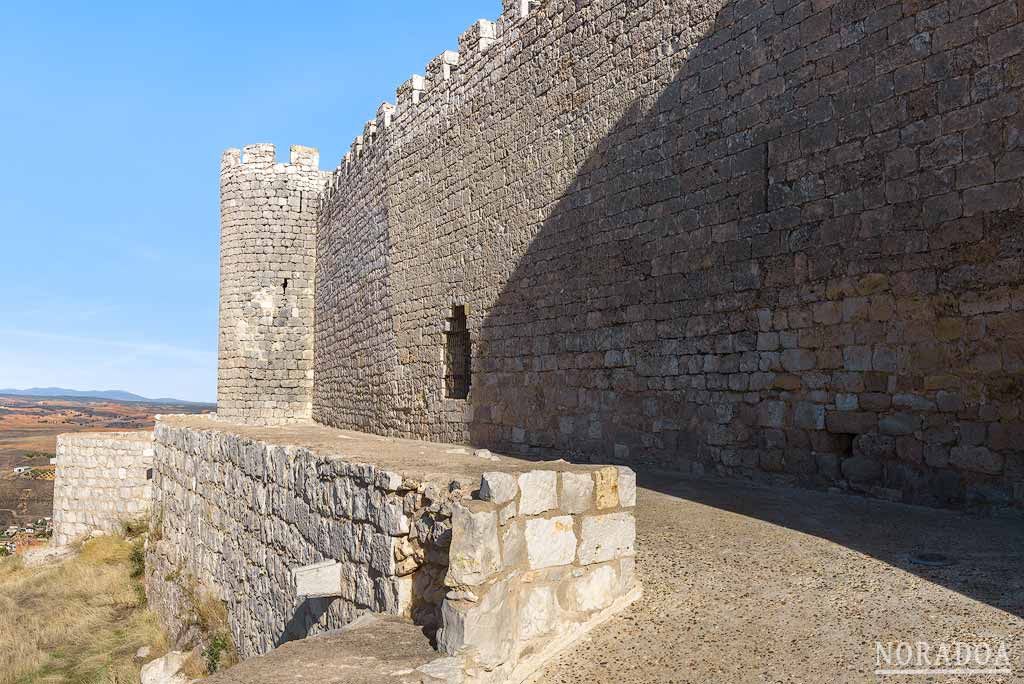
<point x="577" y="492"/>
<point x="513" y="546"/>
<point x="627" y="486"/>
<point x="538" y="612"/>
<point x="498" y="487"/>
<point x="550" y="542"/>
<point x="595" y="589"/>
<point x="318" y="579"/>
<point x="608" y="536"/>
<point x="474" y="554"/>
<point x="486" y="627"/>
<point x="538" y="492"/>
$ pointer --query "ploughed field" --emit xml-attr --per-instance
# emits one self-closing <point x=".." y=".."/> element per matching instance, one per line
<point x="28" y="438"/>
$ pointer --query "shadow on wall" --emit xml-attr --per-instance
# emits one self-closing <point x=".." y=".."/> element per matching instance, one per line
<point x="779" y="269"/>
<point x="774" y="269"/>
<point x="307" y="614"/>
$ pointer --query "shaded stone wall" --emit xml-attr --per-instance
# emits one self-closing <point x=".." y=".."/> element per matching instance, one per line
<point x="773" y="239"/>
<point x="102" y="480"/>
<point x="268" y="250"/>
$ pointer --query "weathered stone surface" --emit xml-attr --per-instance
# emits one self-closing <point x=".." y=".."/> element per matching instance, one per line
<point x="538" y="491"/>
<point x="318" y="580"/>
<point x="538" y="612"/>
<point x="513" y="546"/>
<point x="977" y="459"/>
<point x="166" y="670"/>
<point x="861" y="469"/>
<point x="484" y="627"/>
<point x="577" y="492"/>
<point x="594" y="589"/>
<point x="606" y="487"/>
<point x="874" y="446"/>
<point x="475" y="554"/>
<point x="550" y="542"/>
<point x="498" y="487"/>
<point x="605" y="537"/>
<point x="627" y="486"/>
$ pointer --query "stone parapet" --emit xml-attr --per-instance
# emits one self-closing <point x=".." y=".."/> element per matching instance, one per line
<point x="302" y="529"/>
<point x="102" y="480"/>
<point x="536" y="560"/>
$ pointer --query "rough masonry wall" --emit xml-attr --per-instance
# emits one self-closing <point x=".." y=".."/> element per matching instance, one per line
<point x="102" y="481"/>
<point x="234" y="517"/>
<point x="538" y="559"/>
<point x="761" y="238"/>
<point x="268" y="254"/>
<point x="354" y="305"/>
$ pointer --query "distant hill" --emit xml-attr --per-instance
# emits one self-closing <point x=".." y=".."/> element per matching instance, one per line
<point x="110" y="395"/>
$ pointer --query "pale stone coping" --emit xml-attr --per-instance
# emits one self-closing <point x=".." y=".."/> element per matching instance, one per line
<point x="125" y="436"/>
<point x="412" y="459"/>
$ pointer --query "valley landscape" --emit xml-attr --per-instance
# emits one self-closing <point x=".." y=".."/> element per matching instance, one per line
<point x="29" y="426"/>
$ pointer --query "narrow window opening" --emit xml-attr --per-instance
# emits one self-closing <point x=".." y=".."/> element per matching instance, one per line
<point x="149" y="473"/>
<point x="457" y="355"/>
<point x="284" y="287"/>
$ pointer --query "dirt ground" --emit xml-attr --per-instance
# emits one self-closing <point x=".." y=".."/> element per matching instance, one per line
<point x="755" y="584"/>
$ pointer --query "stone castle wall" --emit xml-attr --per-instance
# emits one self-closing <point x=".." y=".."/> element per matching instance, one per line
<point x="504" y="562"/>
<point x="102" y="480"/>
<point x="268" y="249"/>
<point x="778" y="239"/>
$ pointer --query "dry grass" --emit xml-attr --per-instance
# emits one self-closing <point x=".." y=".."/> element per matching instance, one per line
<point x="211" y="616"/>
<point x="77" y="622"/>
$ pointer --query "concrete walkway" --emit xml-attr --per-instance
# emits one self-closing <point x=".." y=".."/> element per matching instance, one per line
<point x="754" y="584"/>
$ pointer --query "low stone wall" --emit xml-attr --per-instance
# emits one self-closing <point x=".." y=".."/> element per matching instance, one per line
<point x="102" y="480"/>
<point x="537" y="561"/>
<point x="302" y="529"/>
<point x="237" y="516"/>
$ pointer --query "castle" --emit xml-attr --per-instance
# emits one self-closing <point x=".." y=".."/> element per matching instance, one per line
<point x="776" y="240"/>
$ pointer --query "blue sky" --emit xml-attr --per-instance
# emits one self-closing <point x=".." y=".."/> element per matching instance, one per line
<point x="113" y="117"/>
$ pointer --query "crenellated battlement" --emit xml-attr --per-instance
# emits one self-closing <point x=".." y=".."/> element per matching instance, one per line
<point x="264" y="156"/>
<point x="482" y="40"/>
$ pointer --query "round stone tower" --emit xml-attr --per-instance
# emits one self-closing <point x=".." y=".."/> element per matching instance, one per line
<point x="267" y="255"/>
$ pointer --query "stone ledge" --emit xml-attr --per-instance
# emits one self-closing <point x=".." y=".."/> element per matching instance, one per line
<point x="412" y="459"/>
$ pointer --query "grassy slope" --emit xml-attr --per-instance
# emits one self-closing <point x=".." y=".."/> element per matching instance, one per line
<point x="76" y="622"/>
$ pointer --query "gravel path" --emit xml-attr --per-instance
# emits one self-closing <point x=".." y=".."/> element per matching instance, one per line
<point x="757" y="584"/>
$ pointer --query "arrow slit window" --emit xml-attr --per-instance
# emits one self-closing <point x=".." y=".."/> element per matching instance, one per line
<point x="456" y="354"/>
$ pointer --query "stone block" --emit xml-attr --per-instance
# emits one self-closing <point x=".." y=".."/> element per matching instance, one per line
<point x="861" y="469"/>
<point x="577" y="492"/>
<point x="474" y="555"/>
<point x="513" y="546"/>
<point x="627" y="486"/>
<point x="595" y="588"/>
<point x="538" y="492"/>
<point x="538" y="612"/>
<point x="550" y="542"/>
<point x="606" y="487"/>
<point x="498" y="487"/>
<point x="874" y="446"/>
<point x="606" y="537"/>
<point x="977" y="459"/>
<point x="487" y="628"/>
